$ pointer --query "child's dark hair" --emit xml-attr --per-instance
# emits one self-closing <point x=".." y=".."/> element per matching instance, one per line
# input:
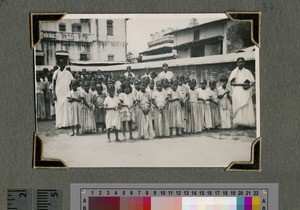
<point x="192" y="81"/>
<point x="126" y="85"/>
<point x="240" y="58"/>
<point x="75" y="83"/>
<point x="153" y="74"/>
<point x="111" y="88"/>
<point x="223" y="79"/>
<point x="212" y="82"/>
<point x="181" y="77"/>
<point x="99" y="88"/>
<point x="159" y="82"/>
<point x="87" y="83"/>
<point x="137" y="81"/>
<point x="174" y="82"/>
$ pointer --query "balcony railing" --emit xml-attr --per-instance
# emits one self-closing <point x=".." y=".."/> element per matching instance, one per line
<point x="68" y="36"/>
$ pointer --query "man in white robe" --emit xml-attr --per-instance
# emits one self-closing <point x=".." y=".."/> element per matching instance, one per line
<point x="62" y="80"/>
<point x="242" y="104"/>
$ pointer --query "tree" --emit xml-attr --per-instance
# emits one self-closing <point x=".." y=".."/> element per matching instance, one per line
<point x="238" y="36"/>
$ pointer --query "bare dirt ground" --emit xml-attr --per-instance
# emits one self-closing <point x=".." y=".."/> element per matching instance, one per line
<point x="214" y="148"/>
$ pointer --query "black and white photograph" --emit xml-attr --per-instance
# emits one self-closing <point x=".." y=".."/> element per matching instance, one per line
<point x="147" y="90"/>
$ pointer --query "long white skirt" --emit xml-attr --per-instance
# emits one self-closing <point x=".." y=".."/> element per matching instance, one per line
<point x="245" y="116"/>
<point x="112" y="119"/>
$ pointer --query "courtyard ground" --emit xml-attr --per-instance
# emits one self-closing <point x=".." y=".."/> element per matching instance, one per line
<point x="216" y="148"/>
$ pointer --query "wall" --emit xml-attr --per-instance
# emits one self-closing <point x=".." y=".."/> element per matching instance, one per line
<point x="212" y="30"/>
<point x="198" y="72"/>
<point x="206" y="31"/>
<point x="184" y="53"/>
<point x="118" y="30"/>
<point x="182" y="37"/>
<point x="68" y="22"/>
<point x="98" y="50"/>
<point x="115" y="48"/>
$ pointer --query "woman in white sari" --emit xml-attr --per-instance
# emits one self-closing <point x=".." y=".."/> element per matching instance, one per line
<point x="62" y="80"/>
<point x="242" y="80"/>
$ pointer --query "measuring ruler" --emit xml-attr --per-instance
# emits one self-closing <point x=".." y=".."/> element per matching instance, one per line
<point x="44" y="199"/>
<point x="19" y="199"/>
<point x="48" y="200"/>
<point x="174" y="196"/>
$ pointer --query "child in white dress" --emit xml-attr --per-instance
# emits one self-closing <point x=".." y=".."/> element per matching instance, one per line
<point x="175" y="110"/>
<point x="145" y="127"/>
<point x="127" y="109"/>
<point x="224" y="104"/>
<point x="161" y="119"/>
<point x="112" y="118"/>
<point x="194" y="122"/>
<point x="74" y="98"/>
<point x="214" y="105"/>
<point x="204" y="97"/>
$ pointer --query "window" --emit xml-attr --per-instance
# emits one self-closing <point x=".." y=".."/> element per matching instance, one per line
<point x="111" y="57"/>
<point x="39" y="57"/>
<point x="213" y="49"/>
<point x="62" y="26"/>
<point x="196" y="35"/>
<point x="109" y="26"/>
<point x="76" y="27"/>
<point x="197" y="51"/>
<point x="39" y="60"/>
<point x="83" y="57"/>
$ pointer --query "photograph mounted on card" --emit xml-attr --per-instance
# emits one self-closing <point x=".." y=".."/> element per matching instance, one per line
<point x="146" y="90"/>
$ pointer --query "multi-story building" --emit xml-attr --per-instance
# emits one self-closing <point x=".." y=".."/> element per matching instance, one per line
<point x="204" y="51"/>
<point x="83" y="42"/>
<point x="160" y="47"/>
<point x="211" y="38"/>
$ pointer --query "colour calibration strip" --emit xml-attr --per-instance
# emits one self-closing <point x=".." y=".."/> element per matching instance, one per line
<point x="170" y="197"/>
<point x="174" y="203"/>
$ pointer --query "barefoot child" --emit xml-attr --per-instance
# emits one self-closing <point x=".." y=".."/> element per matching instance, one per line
<point x="145" y="128"/>
<point x="175" y="111"/>
<point x="99" y="111"/>
<point x="204" y="97"/>
<point x="40" y="99"/>
<point x="112" y="118"/>
<point x="214" y="105"/>
<point x="161" y="119"/>
<point x="75" y="99"/>
<point x="224" y="104"/>
<point x="127" y="109"/>
<point x="194" y="122"/>
<point x="88" y="124"/>
<point x="183" y="93"/>
<point x="137" y="111"/>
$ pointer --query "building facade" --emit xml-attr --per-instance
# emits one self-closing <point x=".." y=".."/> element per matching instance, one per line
<point x="82" y="42"/>
<point x="211" y="38"/>
<point x="160" y="47"/>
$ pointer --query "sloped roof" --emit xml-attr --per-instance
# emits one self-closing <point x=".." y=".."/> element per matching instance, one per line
<point x="197" y="26"/>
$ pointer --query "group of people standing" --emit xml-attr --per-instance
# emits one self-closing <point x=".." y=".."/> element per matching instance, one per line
<point x="157" y="105"/>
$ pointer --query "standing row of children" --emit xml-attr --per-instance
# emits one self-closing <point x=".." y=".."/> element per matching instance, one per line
<point x="159" y="108"/>
<point x="162" y="109"/>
